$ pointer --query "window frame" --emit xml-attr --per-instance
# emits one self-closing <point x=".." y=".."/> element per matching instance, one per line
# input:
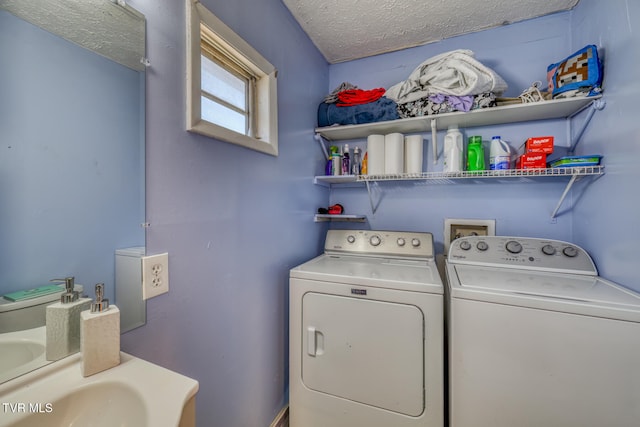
<point x="263" y="120"/>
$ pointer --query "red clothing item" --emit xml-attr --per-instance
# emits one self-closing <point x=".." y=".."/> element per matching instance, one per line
<point x="350" y="97"/>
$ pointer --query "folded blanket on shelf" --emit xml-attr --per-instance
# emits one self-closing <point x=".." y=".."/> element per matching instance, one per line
<point x="377" y="111"/>
<point x="450" y="73"/>
<point x="440" y="104"/>
<point x="333" y="96"/>
<point x="350" y="97"/>
<point x="580" y="74"/>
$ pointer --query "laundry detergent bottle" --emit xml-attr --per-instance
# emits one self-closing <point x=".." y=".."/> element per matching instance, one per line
<point x="499" y="154"/>
<point x="453" y="150"/>
<point x="475" y="154"/>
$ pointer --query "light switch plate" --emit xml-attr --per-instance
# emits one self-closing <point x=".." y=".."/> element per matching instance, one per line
<point x="456" y="228"/>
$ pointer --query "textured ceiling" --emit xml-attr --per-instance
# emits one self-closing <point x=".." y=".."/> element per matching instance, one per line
<point x="350" y="29"/>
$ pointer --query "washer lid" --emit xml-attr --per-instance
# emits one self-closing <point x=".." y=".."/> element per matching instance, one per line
<point x="569" y="293"/>
<point x="390" y="273"/>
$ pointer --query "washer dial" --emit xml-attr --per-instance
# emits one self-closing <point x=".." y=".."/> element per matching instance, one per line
<point x="513" y="247"/>
<point x="375" y="240"/>
<point x="465" y="246"/>
<point x="570" y="251"/>
<point x="482" y="246"/>
<point x="548" y="250"/>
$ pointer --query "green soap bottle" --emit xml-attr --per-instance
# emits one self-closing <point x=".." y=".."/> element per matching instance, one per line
<point x="475" y="154"/>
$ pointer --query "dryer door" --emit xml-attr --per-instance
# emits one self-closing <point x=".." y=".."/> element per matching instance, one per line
<point x="367" y="351"/>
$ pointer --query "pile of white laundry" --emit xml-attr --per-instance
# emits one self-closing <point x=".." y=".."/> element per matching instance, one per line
<point x="455" y="73"/>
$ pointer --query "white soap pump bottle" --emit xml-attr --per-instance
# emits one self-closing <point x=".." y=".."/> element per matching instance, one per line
<point x="99" y="335"/>
<point x="62" y="320"/>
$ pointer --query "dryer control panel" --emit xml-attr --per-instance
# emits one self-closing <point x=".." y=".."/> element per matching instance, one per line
<point x="395" y="244"/>
<point x="522" y="252"/>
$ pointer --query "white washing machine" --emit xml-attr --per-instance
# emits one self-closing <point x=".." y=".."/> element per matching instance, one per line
<point x="537" y="338"/>
<point x="366" y="333"/>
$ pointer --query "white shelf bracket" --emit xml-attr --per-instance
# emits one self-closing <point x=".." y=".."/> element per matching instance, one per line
<point x="323" y="144"/>
<point x="564" y="195"/>
<point x="371" y="187"/>
<point x="373" y="208"/>
<point x="434" y="140"/>
<point x="596" y="105"/>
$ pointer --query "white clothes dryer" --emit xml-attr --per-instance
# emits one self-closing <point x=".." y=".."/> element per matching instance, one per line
<point x="537" y="338"/>
<point x="366" y="333"/>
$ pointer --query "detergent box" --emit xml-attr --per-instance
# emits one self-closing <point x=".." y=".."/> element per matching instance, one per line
<point x="531" y="161"/>
<point x="537" y="144"/>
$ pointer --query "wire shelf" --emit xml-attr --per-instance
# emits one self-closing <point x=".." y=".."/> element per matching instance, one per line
<point x="449" y="177"/>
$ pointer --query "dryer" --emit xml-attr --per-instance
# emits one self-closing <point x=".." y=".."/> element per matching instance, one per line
<point x="537" y="338"/>
<point x="366" y="333"/>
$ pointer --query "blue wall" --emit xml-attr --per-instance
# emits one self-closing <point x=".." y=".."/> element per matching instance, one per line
<point x="71" y="182"/>
<point x="234" y="221"/>
<point x="606" y="218"/>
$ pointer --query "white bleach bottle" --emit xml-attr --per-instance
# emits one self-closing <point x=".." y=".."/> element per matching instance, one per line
<point x="453" y="150"/>
<point x="499" y="154"/>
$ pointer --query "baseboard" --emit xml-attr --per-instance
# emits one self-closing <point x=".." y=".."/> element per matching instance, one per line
<point x="282" y="419"/>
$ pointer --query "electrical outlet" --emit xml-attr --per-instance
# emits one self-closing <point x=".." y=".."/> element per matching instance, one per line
<point x="155" y="275"/>
<point x="456" y="228"/>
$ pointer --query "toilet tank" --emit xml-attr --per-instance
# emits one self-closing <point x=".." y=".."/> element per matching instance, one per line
<point x="28" y="313"/>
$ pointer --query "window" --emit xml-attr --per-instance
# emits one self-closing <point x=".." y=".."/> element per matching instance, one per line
<point x="231" y="88"/>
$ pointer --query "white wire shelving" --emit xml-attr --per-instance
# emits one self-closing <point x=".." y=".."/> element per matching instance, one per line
<point x="555" y="109"/>
<point x="573" y="174"/>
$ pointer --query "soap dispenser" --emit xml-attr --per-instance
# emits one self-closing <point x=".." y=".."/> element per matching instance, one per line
<point x="63" y="322"/>
<point x="99" y="335"/>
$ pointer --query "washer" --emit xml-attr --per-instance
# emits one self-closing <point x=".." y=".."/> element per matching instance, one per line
<point x="537" y="338"/>
<point x="366" y="333"/>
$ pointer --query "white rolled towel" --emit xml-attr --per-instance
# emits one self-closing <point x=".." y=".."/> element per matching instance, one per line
<point x="375" y="154"/>
<point x="393" y="153"/>
<point x="413" y="151"/>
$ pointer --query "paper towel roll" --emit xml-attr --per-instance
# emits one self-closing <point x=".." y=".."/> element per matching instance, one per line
<point x="393" y="153"/>
<point x="375" y="154"/>
<point x="413" y="146"/>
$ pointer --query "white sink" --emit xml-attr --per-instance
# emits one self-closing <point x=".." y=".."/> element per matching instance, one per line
<point x="135" y="393"/>
<point x="21" y="352"/>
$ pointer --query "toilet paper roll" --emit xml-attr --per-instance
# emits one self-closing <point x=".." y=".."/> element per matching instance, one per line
<point x="413" y="146"/>
<point x="394" y="153"/>
<point x="375" y="154"/>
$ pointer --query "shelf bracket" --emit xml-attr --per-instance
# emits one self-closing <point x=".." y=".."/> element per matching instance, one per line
<point x="596" y="105"/>
<point x="373" y="208"/>
<point x="434" y="140"/>
<point x="323" y="144"/>
<point x="564" y="195"/>
<point x="370" y="190"/>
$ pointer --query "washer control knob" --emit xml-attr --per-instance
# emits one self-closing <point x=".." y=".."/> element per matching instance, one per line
<point x="465" y="246"/>
<point x="415" y="242"/>
<point x="375" y="240"/>
<point x="548" y="250"/>
<point x="351" y="238"/>
<point x="401" y="241"/>
<point x="513" y="247"/>
<point x="482" y="246"/>
<point x="570" y="251"/>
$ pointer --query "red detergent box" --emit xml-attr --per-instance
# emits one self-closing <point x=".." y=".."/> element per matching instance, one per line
<point x="532" y="161"/>
<point x="537" y="144"/>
